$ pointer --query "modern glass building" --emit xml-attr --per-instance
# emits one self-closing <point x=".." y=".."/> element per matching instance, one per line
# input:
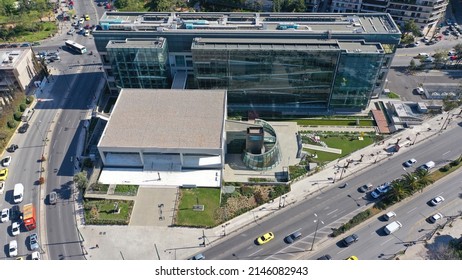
<point x="276" y="64"/>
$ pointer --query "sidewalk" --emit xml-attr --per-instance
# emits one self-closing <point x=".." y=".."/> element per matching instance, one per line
<point x="168" y="243"/>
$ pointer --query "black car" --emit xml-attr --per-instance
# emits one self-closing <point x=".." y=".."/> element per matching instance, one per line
<point x="350" y="240"/>
<point x="365" y="188"/>
<point x="293" y="237"/>
<point x="15" y="213"/>
<point x="325" y="257"/>
<point x="23" y="128"/>
<point x="12" y="148"/>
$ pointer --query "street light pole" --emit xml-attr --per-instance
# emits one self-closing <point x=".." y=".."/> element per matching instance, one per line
<point x="316" y="230"/>
<point x="415" y="139"/>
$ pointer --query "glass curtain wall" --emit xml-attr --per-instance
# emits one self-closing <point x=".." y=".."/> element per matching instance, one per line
<point x="142" y="67"/>
<point x="355" y="80"/>
<point x="268" y="78"/>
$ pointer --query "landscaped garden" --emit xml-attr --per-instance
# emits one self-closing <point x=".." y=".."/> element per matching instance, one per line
<point x="108" y="212"/>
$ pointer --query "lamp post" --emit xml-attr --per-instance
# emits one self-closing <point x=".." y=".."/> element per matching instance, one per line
<point x="316" y="230"/>
<point x="415" y="139"/>
<point x="377" y="157"/>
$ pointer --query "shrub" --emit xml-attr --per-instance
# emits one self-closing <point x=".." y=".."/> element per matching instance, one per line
<point x="455" y="162"/>
<point x="11" y="124"/>
<point x="246" y="191"/>
<point x="17" y="116"/>
<point x="22" y="107"/>
<point x="445" y="168"/>
<point x="258" y="198"/>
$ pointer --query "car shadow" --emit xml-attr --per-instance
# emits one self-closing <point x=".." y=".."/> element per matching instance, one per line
<point x="381" y="232"/>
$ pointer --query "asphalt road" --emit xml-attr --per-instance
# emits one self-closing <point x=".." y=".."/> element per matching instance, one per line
<point x="333" y="207"/>
<point x="374" y="244"/>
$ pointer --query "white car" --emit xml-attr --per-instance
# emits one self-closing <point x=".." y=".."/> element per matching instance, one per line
<point x="87" y="33"/>
<point x="33" y="242"/>
<point x="15" y="229"/>
<point x="435" y="217"/>
<point x="437" y="200"/>
<point x="13" y="248"/>
<point x="2" y="187"/>
<point x="81" y="20"/>
<point x="5" y="215"/>
<point x="6" y="161"/>
<point x="410" y="162"/>
<point x="36" y="256"/>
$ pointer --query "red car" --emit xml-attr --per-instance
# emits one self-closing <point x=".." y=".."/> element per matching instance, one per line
<point x="454" y="57"/>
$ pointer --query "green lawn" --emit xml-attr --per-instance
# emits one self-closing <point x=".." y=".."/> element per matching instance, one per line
<point x="126" y="190"/>
<point x="101" y="212"/>
<point x="347" y="146"/>
<point x="335" y="122"/>
<point x="209" y="197"/>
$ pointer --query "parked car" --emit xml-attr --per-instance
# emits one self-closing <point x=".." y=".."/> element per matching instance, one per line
<point x="352" y="258"/>
<point x="53" y="198"/>
<point x="71" y="31"/>
<point x="2" y="187"/>
<point x="198" y="257"/>
<point x="15" y="213"/>
<point x="347" y="241"/>
<point x="35" y="256"/>
<point x="15" y="228"/>
<point x="23" y="128"/>
<point x="325" y="257"/>
<point x="3" y="174"/>
<point x="12" y="148"/>
<point x="437" y="200"/>
<point x="435" y="218"/>
<point x="265" y="238"/>
<point x="33" y="242"/>
<point x="410" y="162"/>
<point x="5" y="215"/>
<point x="6" y="161"/>
<point x="13" y="248"/>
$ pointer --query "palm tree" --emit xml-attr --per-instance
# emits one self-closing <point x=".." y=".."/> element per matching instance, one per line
<point x="423" y="176"/>
<point x="411" y="182"/>
<point x="398" y="192"/>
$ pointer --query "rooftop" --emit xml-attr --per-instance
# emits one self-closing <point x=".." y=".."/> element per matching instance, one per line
<point x="8" y="57"/>
<point x="284" y="44"/>
<point x="369" y="23"/>
<point x="165" y="118"/>
<point x="137" y="43"/>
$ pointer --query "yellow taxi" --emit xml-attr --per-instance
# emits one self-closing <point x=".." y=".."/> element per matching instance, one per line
<point x="265" y="238"/>
<point x="3" y="174"/>
<point x="352" y="258"/>
<point x="87" y="17"/>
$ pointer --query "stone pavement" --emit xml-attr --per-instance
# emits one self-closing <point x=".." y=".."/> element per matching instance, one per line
<point x="169" y="243"/>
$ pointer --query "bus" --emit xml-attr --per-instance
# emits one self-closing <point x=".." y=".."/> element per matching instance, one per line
<point x="76" y="47"/>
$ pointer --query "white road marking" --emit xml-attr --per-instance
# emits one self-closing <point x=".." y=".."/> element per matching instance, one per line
<point x="255" y="252"/>
<point x="332" y="212"/>
<point x="446" y="153"/>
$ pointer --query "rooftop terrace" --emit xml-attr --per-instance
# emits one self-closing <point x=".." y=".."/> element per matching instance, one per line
<point x="373" y="23"/>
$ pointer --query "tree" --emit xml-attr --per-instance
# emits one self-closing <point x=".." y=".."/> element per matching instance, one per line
<point x="398" y="192"/>
<point x="423" y="177"/>
<point x="277" y="4"/>
<point x="80" y="180"/>
<point x="411" y="181"/>
<point x="412" y="65"/>
<point x="411" y="27"/>
<point x="407" y="39"/>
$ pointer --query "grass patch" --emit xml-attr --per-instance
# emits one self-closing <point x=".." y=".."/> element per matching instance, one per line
<point x="101" y="212"/>
<point x="209" y="197"/>
<point x="335" y="122"/>
<point x="342" y="143"/>
<point x="393" y="95"/>
<point x="126" y="190"/>
<point x="98" y="188"/>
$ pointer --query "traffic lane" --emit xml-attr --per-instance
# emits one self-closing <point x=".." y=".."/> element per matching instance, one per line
<point x="374" y="244"/>
<point x="344" y="199"/>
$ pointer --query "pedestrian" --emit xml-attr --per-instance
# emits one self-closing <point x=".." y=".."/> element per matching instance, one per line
<point x="97" y="246"/>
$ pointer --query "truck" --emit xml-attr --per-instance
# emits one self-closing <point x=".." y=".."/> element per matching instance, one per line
<point x="392" y="227"/>
<point x="29" y="216"/>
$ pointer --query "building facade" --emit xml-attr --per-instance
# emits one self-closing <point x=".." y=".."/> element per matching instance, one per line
<point x="17" y="69"/>
<point x="425" y="13"/>
<point x="271" y="64"/>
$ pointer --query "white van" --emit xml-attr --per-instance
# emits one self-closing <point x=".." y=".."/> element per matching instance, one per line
<point x="390" y="228"/>
<point x="18" y="193"/>
<point x="429" y="165"/>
